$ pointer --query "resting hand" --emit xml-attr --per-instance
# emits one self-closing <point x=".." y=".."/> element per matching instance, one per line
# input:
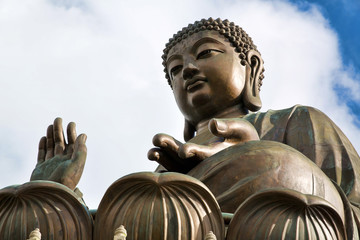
<point x="176" y="156"/>
<point x="59" y="161"/>
<point x="166" y="153"/>
<point x="228" y="132"/>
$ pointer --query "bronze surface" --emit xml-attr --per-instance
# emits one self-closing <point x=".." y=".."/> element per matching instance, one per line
<point x="280" y="174"/>
<point x="159" y="206"/>
<point x="48" y="206"/>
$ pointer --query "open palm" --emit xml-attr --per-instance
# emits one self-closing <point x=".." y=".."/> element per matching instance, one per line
<point x="59" y="161"/>
<point x="182" y="157"/>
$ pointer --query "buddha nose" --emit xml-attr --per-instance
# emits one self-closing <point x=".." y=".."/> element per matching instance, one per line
<point x="189" y="71"/>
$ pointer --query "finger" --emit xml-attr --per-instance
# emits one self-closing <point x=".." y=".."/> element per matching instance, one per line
<point x="71" y="135"/>
<point x="71" y="132"/>
<point x="233" y="128"/>
<point x="42" y="150"/>
<point x="199" y="152"/>
<point x="156" y="154"/>
<point x="58" y="137"/>
<point x="49" y="142"/>
<point x="166" y="141"/>
<point x="168" y="145"/>
<point x="171" y="163"/>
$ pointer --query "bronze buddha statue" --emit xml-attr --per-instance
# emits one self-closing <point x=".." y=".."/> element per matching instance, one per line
<point x="216" y="72"/>
<point x="284" y="174"/>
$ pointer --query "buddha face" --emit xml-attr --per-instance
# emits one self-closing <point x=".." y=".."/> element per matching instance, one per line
<point x="206" y="75"/>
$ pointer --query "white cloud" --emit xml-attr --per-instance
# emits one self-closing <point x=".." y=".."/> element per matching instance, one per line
<point x="98" y="63"/>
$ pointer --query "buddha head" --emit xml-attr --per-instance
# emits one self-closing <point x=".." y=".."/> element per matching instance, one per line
<point x="212" y="65"/>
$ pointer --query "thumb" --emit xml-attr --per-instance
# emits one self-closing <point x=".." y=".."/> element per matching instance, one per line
<point x="233" y="128"/>
<point x="80" y="149"/>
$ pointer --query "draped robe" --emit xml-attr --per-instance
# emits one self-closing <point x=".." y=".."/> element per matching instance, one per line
<point x="300" y="149"/>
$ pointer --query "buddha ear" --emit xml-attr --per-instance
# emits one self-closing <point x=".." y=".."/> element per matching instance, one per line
<point x="189" y="131"/>
<point x="253" y="70"/>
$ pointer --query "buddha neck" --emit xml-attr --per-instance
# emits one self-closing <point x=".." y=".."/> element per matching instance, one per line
<point x="231" y="112"/>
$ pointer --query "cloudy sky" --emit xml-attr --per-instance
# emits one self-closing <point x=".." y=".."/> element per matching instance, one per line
<point x="98" y="63"/>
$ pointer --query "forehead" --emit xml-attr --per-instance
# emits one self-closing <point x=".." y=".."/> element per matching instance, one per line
<point x="191" y="40"/>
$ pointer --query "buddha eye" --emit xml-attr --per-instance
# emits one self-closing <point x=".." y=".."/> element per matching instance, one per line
<point x="207" y="53"/>
<point x="175" y="70"/>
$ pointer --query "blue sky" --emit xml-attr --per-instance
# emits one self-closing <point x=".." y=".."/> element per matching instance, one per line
<point x="98" y="63"/>
<point x="344" y="18"/>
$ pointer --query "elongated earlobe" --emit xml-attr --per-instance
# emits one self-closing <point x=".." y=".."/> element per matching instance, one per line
<point x="189" y="131"/>
<point x="254" y="67"/>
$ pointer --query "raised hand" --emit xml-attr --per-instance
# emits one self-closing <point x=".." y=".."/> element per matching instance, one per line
<point x="59" y="161"/>
<point x="179" y="157"/>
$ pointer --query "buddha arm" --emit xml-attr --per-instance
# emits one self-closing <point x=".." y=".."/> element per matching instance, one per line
<point x="316" y="136"/>
<point x="312" y="133"/>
